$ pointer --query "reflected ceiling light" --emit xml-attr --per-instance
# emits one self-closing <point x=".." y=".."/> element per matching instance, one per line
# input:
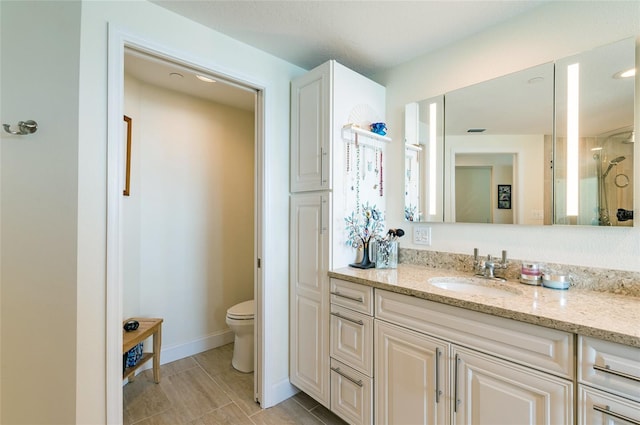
<point x="625" y="74"/>
<point x="573" y="134"/>
<point x="205" y="79"/>
<point x="432" y="157"/>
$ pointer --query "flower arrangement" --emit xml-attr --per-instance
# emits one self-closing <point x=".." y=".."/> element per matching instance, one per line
<point x="411" y="213"/>
<point x="362" y="229"/>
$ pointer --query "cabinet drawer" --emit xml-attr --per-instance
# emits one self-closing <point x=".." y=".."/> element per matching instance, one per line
<point x="534" y="346"/>
<point x="599" y="408"/>
<point x="609" y="366"/>
<point x="351" y="394"/>
<point x="352" y="339"/>
<point x="352" y="295"/>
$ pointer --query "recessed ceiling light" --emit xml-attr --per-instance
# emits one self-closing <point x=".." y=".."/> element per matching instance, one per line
<point x="625" y="74"/>
<point x="476" y="130"/>
<point x="176" y="75"/>
<point x="205" y="79"/>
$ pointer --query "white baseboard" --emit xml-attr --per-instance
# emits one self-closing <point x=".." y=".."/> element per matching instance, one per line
<point x="177" y="352"/>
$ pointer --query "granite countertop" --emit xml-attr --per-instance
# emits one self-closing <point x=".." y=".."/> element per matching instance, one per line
<point x="601" y="315"/>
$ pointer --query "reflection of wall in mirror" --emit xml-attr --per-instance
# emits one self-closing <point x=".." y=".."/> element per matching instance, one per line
<point x="412" y="206"/>
<point x="501" y="166"/>
<point x="528" y="191"/>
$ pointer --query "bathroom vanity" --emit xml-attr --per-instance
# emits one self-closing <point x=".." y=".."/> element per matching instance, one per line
<point x="404" y="350"/>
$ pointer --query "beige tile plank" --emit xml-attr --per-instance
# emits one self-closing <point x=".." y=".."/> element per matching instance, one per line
<point x="193" y="393"/>
<point x="143" y="398"/>
<point x="306" y="400"/>
<point x="289" y="412"/>
<point x="327" y="416"/>
<point x="239" y="387"/>
<point x="168" y="417"/>
<point x="226" y="415"/>
<point x="216" y="361"/>
<point x="172" y="368"/>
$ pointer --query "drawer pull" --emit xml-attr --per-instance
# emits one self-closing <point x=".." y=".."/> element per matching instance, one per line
<point x="456" y="400"/>
<point x="357" y="322"/>
<point x="338" y="294"/>
<point x="438" y="392"/>
<point x="611" y="413"/>
<point x="607" y="369"/>
<point x="339" y="372"/>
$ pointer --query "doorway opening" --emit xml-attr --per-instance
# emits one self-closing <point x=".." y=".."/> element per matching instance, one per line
<point x="193" y="209"/>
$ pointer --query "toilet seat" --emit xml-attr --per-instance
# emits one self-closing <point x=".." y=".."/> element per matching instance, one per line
<point x="242" y="311"/>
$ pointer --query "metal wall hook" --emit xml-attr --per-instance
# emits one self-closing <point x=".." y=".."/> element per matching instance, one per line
<point x="24" y="128"/>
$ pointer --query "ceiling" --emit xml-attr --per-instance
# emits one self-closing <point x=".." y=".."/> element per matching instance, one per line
<point x="366" y="36"/>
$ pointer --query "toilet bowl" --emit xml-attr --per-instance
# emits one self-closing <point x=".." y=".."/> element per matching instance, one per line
<point x="240" y="319"/>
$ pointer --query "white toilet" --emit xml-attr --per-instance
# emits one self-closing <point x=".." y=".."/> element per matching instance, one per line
<point x="240" y="319"/>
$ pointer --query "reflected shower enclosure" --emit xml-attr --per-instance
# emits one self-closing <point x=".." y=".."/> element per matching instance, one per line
<point x="594" y="145"/>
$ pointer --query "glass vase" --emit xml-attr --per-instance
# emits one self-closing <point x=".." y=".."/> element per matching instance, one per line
<point x="387" y="255"/>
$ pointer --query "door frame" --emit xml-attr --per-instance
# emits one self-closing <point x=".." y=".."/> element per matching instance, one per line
<point x="119" y="39"/>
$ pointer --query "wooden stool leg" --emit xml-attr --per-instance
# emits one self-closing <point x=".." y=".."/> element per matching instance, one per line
<point x="157" y="342"/>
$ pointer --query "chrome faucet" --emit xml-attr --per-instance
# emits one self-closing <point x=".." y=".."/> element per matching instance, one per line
<point x="486" y="268"/>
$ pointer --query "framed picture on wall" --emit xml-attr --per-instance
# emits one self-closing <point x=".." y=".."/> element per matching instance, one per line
<point x="504" y="196"/>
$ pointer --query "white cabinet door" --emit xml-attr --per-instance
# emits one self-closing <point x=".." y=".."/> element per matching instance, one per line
<point x="488" y="391"/>
<point x="411" y="376"/>
<point x="310" y="130"/>
<point x="309" y="297"/>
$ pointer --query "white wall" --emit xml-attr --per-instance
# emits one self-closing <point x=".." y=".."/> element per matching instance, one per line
<point x="222" y="54"/>
<point x="188" y="223"/>
<point x="360" y="101"/>
<point x="54" y="191"/>
<point x="551" y="31"/>
<point x="39" y="211"/>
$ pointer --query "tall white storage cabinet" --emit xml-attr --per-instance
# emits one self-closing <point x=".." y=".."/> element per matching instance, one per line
<point x="323" y="101"/>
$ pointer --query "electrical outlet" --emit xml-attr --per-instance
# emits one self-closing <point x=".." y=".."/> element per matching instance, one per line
<point x="422" y="235"/>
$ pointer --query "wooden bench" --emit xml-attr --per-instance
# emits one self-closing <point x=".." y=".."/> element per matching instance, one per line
<point x="148" y="327"/>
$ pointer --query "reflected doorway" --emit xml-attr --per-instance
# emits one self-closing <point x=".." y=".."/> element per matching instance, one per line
<point x="473" y="195"/>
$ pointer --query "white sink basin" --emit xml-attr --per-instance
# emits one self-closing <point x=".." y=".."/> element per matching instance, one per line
<point x="473" y="286"/>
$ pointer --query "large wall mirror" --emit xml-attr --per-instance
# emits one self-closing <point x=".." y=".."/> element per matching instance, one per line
<point x="593" y="167"/>
<point x="497" y="147"/>
<point x="424" y="150"/>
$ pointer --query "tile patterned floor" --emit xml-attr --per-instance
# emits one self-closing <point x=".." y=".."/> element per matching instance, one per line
<point x="205" y="390"/>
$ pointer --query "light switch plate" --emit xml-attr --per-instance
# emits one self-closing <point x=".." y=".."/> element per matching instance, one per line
<point x="422" y="235"/>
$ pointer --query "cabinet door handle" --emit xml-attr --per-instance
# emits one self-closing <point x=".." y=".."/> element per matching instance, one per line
<point x="607" y="369"/>
<point x="357" y="322"/>
<point x="613" y="414"/>
<point x="323" y="225"/>
<point x="339" y="372"/>
<point x="438" y="375"/>
<point x="322" y="160"/>
<point x="338" y="294"/>
<point x="455" y="385"/>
